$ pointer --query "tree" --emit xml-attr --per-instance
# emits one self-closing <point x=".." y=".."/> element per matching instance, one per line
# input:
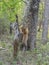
<point x="32" y="18"/>
<point x="40" y="15"/>
<point x="45" y="22"/>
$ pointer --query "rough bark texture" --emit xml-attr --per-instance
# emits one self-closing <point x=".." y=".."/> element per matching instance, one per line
<point x="45" y="22"/>
<point x="32" y="20"/>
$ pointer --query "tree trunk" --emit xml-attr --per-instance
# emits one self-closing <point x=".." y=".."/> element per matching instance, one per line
<point x="45" y="23"/>
<point x="32" y="20"/>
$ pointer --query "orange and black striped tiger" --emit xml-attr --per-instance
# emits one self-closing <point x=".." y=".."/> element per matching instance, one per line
<point x="24" y="31"/>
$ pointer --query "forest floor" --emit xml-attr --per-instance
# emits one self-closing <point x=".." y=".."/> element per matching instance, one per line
<point x="39" y="56"/>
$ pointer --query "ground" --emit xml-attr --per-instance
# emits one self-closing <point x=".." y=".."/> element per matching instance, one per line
<point x="39" y="56"/>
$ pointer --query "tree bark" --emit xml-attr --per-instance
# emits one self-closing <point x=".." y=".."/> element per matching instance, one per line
<point x="45" y="23"/>
<point x="34" y="5"/>
<point x="32" y="19"/>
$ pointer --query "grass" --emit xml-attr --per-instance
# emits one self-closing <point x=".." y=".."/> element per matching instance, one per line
<point x="39" y="56"/>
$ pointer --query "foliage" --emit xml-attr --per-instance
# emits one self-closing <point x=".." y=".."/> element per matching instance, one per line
<point x="25" y="58"/>
<point x="10" y="8"/>
<point x="41" y="10"/>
